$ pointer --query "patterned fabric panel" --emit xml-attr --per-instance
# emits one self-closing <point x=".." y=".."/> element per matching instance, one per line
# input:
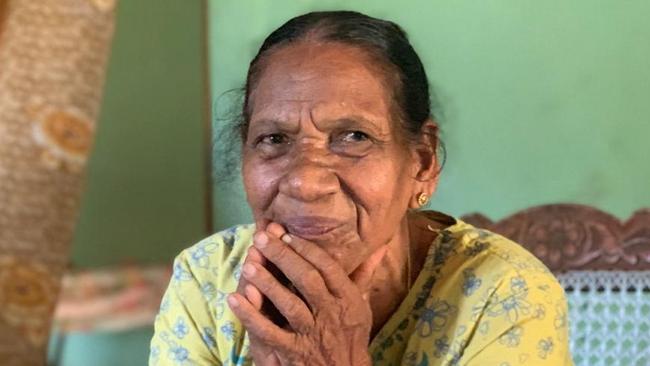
<point x="609" y="317"/>
<point x="53" y="57"/>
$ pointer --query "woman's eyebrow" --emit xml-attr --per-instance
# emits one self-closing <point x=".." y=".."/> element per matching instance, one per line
<point x="345" y="122"/>
<point x="272" y="123"/>
<point x="356" y="121"/>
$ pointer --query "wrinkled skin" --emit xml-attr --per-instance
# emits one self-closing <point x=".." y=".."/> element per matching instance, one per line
<point x="325" y="163"/>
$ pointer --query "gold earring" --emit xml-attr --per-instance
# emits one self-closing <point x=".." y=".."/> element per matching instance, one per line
<point x="423" y="198"/>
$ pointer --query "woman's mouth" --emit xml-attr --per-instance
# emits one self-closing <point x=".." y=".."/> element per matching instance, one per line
<point x="311" y="227"/>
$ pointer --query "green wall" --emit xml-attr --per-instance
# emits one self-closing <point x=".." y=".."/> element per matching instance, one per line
<point x="145" y="193"/>
<point x="544" y="101"/>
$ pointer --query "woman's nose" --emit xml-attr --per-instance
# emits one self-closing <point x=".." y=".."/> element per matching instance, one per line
<point x="309" y="178"/>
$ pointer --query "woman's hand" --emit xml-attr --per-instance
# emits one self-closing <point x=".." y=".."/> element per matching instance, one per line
<point x="331" y="327"/>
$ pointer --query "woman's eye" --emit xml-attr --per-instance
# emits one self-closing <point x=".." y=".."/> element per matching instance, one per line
<point x="352" y="143"/>
<point x="272" y="145"/>
<point x="354" y="136"/>
<point x="273" y="139"/>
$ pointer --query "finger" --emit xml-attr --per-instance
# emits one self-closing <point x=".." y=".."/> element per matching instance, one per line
<point x="275" y="229"/>
<point x="278" y="231"/>
<point x="362" y="276"/>
<point x="303" y="275"/>
<point x="257" y="324"/>
<point x="335" y="277"/>
<point x="254" y="296"/>
<point x="289" y="305"/>
<point x="255" y="256"/>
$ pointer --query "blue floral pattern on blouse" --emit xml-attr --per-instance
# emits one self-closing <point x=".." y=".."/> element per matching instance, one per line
<point x="480" y="299"/>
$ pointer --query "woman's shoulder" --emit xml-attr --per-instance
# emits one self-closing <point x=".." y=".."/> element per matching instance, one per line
<point x="478" y="247"/>
<point x="194" y="324"/>
<point x="483" y="296"/>
<point x="218" y="256"/>
<point x="465" y="256"/>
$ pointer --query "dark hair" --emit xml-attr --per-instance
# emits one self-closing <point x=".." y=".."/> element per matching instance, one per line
<point x="385" y="41"/>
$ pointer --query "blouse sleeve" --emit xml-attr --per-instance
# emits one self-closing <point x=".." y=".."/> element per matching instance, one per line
<point x="184" y="328"/>
<point x="523" y="322"/>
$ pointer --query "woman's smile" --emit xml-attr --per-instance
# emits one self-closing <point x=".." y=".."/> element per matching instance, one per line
<point x="311" y="227"/>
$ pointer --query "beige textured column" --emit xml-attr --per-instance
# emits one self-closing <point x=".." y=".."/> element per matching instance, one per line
<point x="53" y="56"/>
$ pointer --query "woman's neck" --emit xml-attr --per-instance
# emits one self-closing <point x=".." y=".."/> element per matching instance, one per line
<point x="401" y="266"/>
<point x="389" y="283"/>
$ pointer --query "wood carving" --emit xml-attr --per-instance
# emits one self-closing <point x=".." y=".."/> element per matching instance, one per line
<point x="577" y="237"/>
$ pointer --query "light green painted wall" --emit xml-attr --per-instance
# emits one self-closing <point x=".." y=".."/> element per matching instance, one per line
<point x="101" y="348"/>
<point x="145" y="193"/>
<point x="545" y="101"/>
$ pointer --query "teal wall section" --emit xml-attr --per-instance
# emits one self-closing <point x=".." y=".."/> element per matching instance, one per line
<point x="145" y="193"/>
<point x="544" y="101"/>
<point x="101" y="348"/>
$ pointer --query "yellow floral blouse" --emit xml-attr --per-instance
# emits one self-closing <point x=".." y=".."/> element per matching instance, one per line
<point x="479" y="300"/>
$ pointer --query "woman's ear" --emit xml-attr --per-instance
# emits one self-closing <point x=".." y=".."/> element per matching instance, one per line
<point x="426" y="162"/>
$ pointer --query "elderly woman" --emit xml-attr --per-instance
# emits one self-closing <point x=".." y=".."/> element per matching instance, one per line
<point x="339" y="151"/>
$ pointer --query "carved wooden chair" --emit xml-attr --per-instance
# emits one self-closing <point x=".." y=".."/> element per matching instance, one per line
<point x="603" y="265"/>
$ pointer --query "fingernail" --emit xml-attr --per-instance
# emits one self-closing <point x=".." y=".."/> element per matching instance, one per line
<point x="232" y="301"/>
<point x="286" y="238"/>
<point x="261" y="239"/>
<point x="248" y="289"/>
<point x="249" y="269"/>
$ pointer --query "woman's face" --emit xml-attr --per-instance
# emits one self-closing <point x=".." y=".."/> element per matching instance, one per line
<point x="322" y="156"/>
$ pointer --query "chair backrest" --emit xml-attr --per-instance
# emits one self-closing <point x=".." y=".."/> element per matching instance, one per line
<point x="603" y="265"/>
